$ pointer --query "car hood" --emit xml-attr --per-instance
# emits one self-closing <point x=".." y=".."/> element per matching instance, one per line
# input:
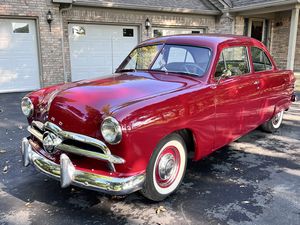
<point x="92" y="98"/>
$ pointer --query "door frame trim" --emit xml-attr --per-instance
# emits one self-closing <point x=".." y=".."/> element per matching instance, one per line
<point x="263" y="28"/>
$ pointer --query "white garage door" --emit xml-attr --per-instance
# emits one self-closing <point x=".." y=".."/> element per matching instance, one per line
<point x="19" y="68"/>
<point x="158" y="32"/>
<point x="97" y="50"/>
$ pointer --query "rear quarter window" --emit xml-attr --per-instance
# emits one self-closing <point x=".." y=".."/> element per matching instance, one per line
<point x="260" y="60"/>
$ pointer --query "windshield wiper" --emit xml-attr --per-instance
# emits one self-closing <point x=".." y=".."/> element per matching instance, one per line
<point x="127" y="70"/>
<point x="179" y="72"/>
<point x="186" y="73"/>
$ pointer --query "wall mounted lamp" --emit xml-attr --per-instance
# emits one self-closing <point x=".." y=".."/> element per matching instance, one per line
<point x="147" y="26"/>
<point x="49" y="17"/>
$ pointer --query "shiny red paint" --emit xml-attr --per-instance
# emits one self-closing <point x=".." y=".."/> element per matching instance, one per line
<point x="151" y="105"/>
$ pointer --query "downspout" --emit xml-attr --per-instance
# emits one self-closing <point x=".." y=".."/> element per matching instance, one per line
<point x="62" y="10"/>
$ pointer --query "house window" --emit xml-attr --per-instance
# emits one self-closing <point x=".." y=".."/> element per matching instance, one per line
<point x="128" y="32"/>
<point x="157" y="33"/>
<point x="20" y="28"/>
<point x="78" y="30"/>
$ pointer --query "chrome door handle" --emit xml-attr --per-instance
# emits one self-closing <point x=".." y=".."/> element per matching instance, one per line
<point x="256" y="82"/>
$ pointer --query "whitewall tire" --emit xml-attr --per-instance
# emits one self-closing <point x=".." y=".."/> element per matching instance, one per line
<point x="166" y="168"/>
<point x="273" y="124"/>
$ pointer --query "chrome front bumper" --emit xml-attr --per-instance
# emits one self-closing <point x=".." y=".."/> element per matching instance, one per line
<point x="69" y="175"/>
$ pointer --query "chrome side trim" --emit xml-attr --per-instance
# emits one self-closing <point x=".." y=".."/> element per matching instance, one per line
<point x="38" y="125"/>
<point x="68" y="175"/>
<point x="52" y="127"/>
<point x="84" y="139"/>
<point x="37" y="129"/>
<point x="35" y="133"/>
<point x="91" y="154"/>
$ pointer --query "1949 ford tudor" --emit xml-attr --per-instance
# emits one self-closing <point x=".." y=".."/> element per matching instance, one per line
<point x="172" y="97"/>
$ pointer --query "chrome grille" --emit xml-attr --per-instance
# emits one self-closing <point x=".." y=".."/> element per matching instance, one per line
<point x="100" y="150"/>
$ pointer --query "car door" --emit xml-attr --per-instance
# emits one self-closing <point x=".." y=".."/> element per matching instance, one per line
<point x="271" y="82"/>
<point x="234" y="95"/>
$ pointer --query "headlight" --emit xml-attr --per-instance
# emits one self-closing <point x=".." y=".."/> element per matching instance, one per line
<point x="27" y="106"/>
<point x="111" y="130"/>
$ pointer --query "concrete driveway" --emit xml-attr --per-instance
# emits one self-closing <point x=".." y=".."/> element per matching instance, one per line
<point x="255" y="180"/>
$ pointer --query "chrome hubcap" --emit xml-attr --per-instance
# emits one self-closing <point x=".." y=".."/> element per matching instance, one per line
<point x="167" y="166"/>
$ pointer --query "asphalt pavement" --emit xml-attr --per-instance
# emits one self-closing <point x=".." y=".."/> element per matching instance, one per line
<point x="254" y="180"/>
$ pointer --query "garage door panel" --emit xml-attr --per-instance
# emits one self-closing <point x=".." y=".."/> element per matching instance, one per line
<point x="97" y="50"/>
<point x="19" y="70"/>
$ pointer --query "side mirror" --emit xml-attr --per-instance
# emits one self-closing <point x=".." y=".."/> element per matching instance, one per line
<point x="225" y="75"/>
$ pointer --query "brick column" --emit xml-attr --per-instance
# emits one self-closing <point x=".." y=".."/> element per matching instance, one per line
<point x="225" y="25"/>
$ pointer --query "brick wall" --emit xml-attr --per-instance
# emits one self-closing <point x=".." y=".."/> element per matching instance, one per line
<point x="280" y="38"/>
<point x="49" y="42"/>
<point x="130" y="17"/>
<point x="224" y="25"/>
<point x="239" y="25"/>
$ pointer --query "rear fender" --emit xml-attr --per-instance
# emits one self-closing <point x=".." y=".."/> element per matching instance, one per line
<point x="281" y="105"/>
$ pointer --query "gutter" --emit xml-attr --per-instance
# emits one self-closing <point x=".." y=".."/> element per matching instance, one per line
<point x="263" y="5"/>
<point x="145" y="8"/>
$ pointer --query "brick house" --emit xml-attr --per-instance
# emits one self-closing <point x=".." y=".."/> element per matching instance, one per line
<point x="89" y="38"/>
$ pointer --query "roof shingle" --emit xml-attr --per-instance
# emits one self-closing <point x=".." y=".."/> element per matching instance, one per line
<point x="182" y="4"/>
<point x="239" y="3"/>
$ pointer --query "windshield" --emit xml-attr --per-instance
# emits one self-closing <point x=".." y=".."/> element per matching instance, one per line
<point x="141" y="58"/>
<point x="169" y="58"/>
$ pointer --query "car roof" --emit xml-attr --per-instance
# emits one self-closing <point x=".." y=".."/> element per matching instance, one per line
<point x="207" y="40"/>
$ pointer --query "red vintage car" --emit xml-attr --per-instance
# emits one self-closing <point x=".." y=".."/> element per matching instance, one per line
<point x="171" y="98"/>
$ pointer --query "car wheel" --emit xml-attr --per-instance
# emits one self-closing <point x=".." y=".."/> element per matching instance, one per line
<point x="166" y="168"/>
<point x="273" y="124"/>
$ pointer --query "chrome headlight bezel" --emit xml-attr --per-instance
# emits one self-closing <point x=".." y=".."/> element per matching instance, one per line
<point x="27" y="107"/>
<point x="113" y="124"/>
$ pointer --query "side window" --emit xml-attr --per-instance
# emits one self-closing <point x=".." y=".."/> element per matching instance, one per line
<point x="234" y="59"/>
<point x="261" y="62"/>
